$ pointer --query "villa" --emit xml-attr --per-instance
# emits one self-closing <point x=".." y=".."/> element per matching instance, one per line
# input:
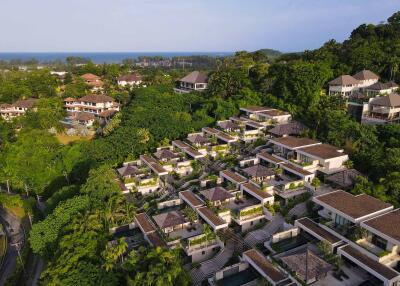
<point x="381" y="110"/>
<point x="93" y="81"/>
<point x="20" y="107"/>
<point x="195" y="81"/>
<point x="130" y="80"/>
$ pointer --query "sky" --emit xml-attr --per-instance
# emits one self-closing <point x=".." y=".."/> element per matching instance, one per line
<point x="182" y="25"/>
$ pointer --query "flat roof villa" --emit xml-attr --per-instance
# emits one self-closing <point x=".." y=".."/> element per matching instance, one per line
<point x="187" y="149"/>
<point x="172" y="161"/>
<point x="211" y="218"/>
<point x="266" y="115"/>
<point x="194" y="81"/>
<point x="274" y="276"/>
<point x="153" y="165"/>
<point x="232" y="177"/>
<point x="344" y="208"/>
<point x="191" y="199"/>
<point x="293" y="128"/>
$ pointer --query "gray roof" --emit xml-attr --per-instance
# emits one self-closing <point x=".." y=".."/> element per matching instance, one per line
<point x="195" y="77"/>
<point x="169" y="219"/>
<point x="344" y="179"/>
<point x="258" y="171"/>
<point x="391" y="100"/>
<point x="197" y="139"/>
<point x="216" y="194"/>
<point x="382" y="86"/>
<point x="128" y="170"/>
<point x="291" y="128"/>
<point x="165" y="154"/>
<point x="307" y="264"/>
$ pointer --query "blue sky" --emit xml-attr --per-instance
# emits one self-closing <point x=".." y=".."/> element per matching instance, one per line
<point x="182" y="25"/>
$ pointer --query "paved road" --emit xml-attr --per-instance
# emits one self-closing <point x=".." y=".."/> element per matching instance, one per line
<point x="16" y="237"/>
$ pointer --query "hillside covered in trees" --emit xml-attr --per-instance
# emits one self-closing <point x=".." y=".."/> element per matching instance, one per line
<point x="82" y="198"/>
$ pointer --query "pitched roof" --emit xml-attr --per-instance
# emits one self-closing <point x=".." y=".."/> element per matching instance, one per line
<point x="216" y="194"/>
<point x="391" y="100"/>
<point x="25" y="103"/>
<point x="195" y="77"/>
<point x="227" y="124"/>
<point x="344" y="80"/>
<point x="353" y="206"/>
<point x="107" y="113"/>
<point x="314" y="227"/>
<point x="344" y="179"/>
<point x="258" y="171"/>
<point x="96" y="98"/>
<point x="197" y="139"/>
<point x="165" y="154"/>
<point x="307" y="264"/>
<point x="291" y="128"/>
<point x="365" y="75"/>
<point x="323" y="151"/>
<point x="69" y="99"/>
<point x="234" y="176"/>
<point x="387" y="224"/>
<point x="128" y="170"/>
<point x="169" y="219"/>
<point x="84" y="116"/>
<point x="211" y="216"/>
<point x="130" y="77"/>
<point x="90" y="76"/>
<point x="191" y="198"/>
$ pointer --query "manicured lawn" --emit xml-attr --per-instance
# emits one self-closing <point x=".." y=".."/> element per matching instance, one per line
<point x="65" y="139"/>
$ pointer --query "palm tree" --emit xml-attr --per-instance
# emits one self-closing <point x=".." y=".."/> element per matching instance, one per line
<point x="190" y="214"/>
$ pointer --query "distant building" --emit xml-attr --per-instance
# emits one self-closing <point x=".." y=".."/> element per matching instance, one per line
<point x="130" y="79"/>
<point x="384" y="109"/>
<point x="89" y="107"/>
<point x="345" y="85"/>
<point x="195" y="81"/>
<point x="10" y="111"/>
<point x="93" y="81"/>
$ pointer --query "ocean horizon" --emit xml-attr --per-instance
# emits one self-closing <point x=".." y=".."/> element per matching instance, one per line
<point x="99" y="57"/>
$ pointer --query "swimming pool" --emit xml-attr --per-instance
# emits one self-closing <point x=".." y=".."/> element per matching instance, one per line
<point x="239" y="278"/>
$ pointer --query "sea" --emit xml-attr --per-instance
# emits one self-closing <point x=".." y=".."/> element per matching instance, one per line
<point x="99" y="57"/>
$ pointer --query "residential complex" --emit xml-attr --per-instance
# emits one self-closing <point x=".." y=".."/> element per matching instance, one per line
<point x="130" y="80"/>
<point x="93" y="81"/>
<point x="212" y="207"/>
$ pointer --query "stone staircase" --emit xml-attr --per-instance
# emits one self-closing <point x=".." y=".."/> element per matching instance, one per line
<point x="263" y="234"/>
<point x="210" y="267"/>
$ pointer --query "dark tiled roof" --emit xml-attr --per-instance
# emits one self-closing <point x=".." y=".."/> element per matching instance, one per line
<point x="84" y="116"/>
<point x="258" y="171"/>
<point x="128" y="170"/>
<point x="216" y="194"/>
<point x="344" y="179"/>
<point x="165" y="154"/>
<point x="268" y="157"/>
<point x="169" y="219"/>
<point x="156" y="240"/>
<point x="353" y="206"/>
<point x="228" y="125"/>
<point x="197" y="139"/>
<point x="108" y="113"/>
<point x="307" y="264"/>
<point x="387" y="224"/>
<point x="294" y="168"/>
<point x="256" y="190"/>
<point x="292" y="128"/>
<point x="195" y="77"/>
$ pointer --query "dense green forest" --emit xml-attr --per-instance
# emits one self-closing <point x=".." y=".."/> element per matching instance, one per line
<point x="84" y="200"/>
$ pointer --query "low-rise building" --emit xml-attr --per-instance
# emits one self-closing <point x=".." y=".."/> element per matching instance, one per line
<point x="381" y="110"/>
<point x="20" y="107"/>
<point x="93" y="81"/>
<point x="194" y="81"/>
<point x="130" y="80"/>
